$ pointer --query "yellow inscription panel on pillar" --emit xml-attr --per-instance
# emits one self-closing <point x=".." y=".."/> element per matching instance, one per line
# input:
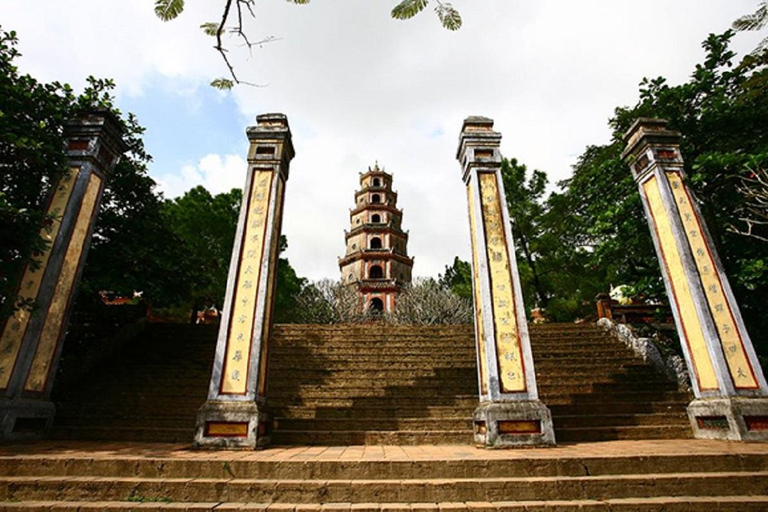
<point x="243" y="316"/>
<point x="733" y="346"/>
<point x="476" y="291"/>
<point x="54" y="318"/>
<point x="273" y="251"/>
<point x="508" y="348"/>
<point x="686" y="308"/>
<point x="16" y="325"/>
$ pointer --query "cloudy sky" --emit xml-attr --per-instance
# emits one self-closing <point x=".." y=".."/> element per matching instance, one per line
<point x="359" y="87"/>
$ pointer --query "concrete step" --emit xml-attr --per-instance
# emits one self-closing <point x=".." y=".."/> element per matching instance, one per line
<point x="129" y="460"/>
<point x="21" y="488"/>
<point x="283" y="436"/>
<point x="458" y="423"/>
<point x="656" y="504"/>
<point x="588" y="420"/>
<point x="616" y="433"/>
<point x="133" y="433"/>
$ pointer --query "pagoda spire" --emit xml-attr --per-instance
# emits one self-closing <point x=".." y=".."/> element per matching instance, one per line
<point x="376" y="260"/>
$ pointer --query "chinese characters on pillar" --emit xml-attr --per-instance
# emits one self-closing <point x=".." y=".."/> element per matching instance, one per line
<point x="508" y="346"/>
<point x="686" y="305"/>
<point x="235" y="372"/>
<point x="733" y="347"/>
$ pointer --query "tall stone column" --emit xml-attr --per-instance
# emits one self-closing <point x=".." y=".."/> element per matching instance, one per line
<point x="235" y="416"/>
<point x="31" y="343"/>
<point x="510" y="412"/>
<point x="728" y="383"/>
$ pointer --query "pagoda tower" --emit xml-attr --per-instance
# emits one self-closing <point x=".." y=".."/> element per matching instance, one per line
<point x="377" y="261"/>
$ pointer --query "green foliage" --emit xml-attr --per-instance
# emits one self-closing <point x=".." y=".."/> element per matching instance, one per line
<point x="408" y="9"/>
<point x="205" y="225"/>
<point x="755" y="21"/>
<point x="526" y="211"/>
<point x="211" y="28"/>
<point x="223" y="84"/>
<point x="168" y="10"/>
<point x="458" y="278"/>
<point x="31" y="161"/>
<point x="32" y="116"/>
<point x="722" y="114"/>
<point x="448" y="15"/>
<point x="288" y="288"/>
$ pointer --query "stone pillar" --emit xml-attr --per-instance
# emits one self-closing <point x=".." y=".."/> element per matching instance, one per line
<point x="510" y="412"/>
<point x="31" y="343"/>
<point x="728" y="384"/>
<point x="235" y="416"/>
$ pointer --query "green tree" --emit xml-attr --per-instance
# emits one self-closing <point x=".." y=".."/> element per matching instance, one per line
<point x="524" y="202"/>
<point x="287" y="289"/>
<point x="457" y="278"/>
<point x="31" y="160"/>
<point x="32" y="115"/>
<point x="722" y="113"/>
<point x="206" y="226"/>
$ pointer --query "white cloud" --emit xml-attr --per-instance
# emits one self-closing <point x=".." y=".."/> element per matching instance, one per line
<point x="216" y="173"/>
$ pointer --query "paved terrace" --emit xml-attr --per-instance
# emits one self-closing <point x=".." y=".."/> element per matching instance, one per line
<point x="606" y="449"/>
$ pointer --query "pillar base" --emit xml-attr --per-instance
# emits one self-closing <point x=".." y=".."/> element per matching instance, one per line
<point x="232" y="425"/>
<point x="25" y="420"/>
<point x="730" y="418"/>
<point x="513" y="424"/>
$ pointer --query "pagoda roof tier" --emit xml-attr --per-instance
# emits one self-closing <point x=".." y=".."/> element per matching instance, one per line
<point x="376" y="171"/>
<point x="375" y="206"/>
<point x="368" y="190"/>
<point x="375" y="228"/>
<point x="372" y="254"/>
<point x="379" y="285"/>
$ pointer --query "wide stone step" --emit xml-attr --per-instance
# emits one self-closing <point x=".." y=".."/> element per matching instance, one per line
<point x="436" y="389"/>
<point x="131" y="433"/>
<point x="362" y="423"/>
<point x="371" y="437"/>
<point x="70" y="459"/>
<point x="617" y="407"/>
<point x="616" y="433"/>
<point x="656" y="504"/>
<point x="372" y="412"/>
<point x="462" y="380"/>
<point x="362" y="402"/>
<point x="20" y="488"/>
<point x="621" y="420"/>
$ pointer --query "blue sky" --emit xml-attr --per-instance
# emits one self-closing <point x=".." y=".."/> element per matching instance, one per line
<point x="358" y="87"/>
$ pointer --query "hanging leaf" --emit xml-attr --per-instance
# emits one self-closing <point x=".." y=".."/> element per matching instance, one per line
<point x="449" y="17"/>
<point x="211" y="28"/>
<point x="408" y="9"/>
<point x="754" y="21"/>
<point x="223" y="84"/>
<point x="167" y="10"/>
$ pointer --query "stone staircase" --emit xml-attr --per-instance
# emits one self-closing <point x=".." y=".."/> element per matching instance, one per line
<point x="615" y="476"/>
<point x="373" y="384"/>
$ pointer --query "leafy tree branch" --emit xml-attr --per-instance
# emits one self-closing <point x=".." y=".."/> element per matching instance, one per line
<point x="168" y="10"/>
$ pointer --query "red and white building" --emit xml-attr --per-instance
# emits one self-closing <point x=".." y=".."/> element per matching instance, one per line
<point x="377" y="260"/>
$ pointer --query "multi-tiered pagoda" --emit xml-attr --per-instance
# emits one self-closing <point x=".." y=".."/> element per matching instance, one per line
<point x="377" y="261"/>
